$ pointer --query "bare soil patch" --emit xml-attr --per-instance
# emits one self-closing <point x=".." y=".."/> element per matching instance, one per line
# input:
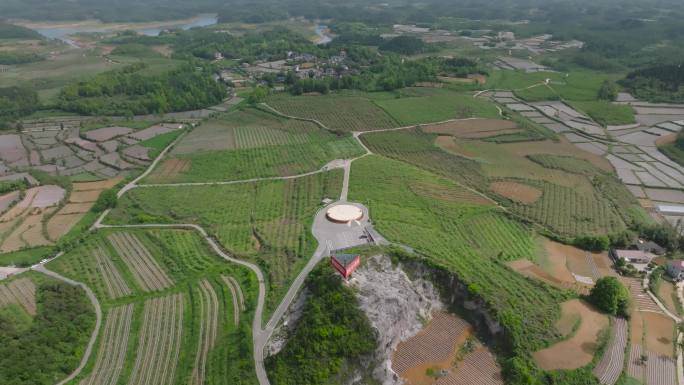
<point x="432" y="347"/>
<point x="84" y="196"/>
<point x="666" y="139"/>
<point x="562" y="147"/>
<point x="107" y="133"/>
<point x="99" y="185"/>
<point x="472" y="128"/>
<point x="563" y="281"/>
<point x="579" y="262"/>
<point x="516" y="191"/>
<point x="659" y="336"/>
<point x="60" y="224"/>
<point x="170" y="169"/>
<point x="449" y="144"/>
<point x="578" y="350"/>
<point x="665" y="293"/>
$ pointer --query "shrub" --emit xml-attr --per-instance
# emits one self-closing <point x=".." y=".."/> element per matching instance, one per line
<point x="611" y="296"/>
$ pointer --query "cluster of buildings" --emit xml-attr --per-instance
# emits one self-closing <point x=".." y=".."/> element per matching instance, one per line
<point x="302" y="65"/>
<point x="642" y="253"/>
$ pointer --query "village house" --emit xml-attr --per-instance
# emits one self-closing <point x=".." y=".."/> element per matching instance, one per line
<point x="639" y="259"/>
<point x="675" y="269"/>
<point x="648" y="246"/>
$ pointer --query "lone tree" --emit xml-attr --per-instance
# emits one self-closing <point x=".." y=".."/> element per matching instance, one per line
<point x="610" y="296"/>
<point x="608" y="91"/>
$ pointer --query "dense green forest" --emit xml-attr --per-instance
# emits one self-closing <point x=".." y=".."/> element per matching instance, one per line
<point x="11" y="58"/>
<point x="333" y="334"/>
<point x="129" y="91"/>
<point x="657" y="83"/>
<point x="46" y="349"/>
<point x="16" y="102"/>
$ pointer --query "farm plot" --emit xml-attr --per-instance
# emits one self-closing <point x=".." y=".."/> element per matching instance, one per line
<point x="655" y="370"/>
<point x="570" y="213"/>
<point x="529" y="269"/>
<point x="159" y="342"/>
<point x="581" y="265"/>
<point x="107" y="133"/>
<point x="12" y="151"/>
<point x="21" y="292"/>
<point x="111" y="355"/>
<point x="209" y="324"/>
<point x="668" y="296"/>
<point x="345" y="113"/>
<point x="235" y="291"/>
<point x="470" y="241"/>
<point x="473" y="128"/>
<point x="266" y="220"/>
<point x="610" y="366"/>
<point x="517" y="192"/>
<point x="149" y="275"/>
<point x="81" y="200"/>
<point x="92" y="264"/>
<point x="245" y="129"/>
<point x="579" y="349"/>
<point x="434" y="346"/>
<point x="436" y="105"/>
<point x="478" y="367"/>
<point x="251" y="144"/>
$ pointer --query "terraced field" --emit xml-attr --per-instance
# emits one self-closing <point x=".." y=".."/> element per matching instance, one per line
<point x="159" y="343"/>
<point x="344" y="113"/>
<point x="111" y="355"/>
<point x="251" y="144"/>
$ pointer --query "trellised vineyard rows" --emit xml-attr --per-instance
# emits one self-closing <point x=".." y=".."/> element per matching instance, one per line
<point x="20" y="292"/>
<point x="209" y="324"/>
<point x="159" y="341"/>
<point x="149" y="275"/>
<point x="471" y="241"/>
<point x="344" y="113"/>
<point x="111" y="355"/>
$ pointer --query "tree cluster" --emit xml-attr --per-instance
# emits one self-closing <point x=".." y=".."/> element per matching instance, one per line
<point x="47" y="349"/>
<point x="611" y="296"/>
<point x="331" y="336"/>
<point x="657" y="83"/>
<point x="130" y="91"/>
<point x="16" y="102"/>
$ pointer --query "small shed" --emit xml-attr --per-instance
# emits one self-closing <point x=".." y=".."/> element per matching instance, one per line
<point x="345" y="264"/>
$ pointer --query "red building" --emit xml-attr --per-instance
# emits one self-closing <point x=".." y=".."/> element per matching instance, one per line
<point x="345" y="264"/>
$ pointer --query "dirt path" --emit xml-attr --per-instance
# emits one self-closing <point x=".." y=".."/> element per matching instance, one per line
<point x="98" y="318"/>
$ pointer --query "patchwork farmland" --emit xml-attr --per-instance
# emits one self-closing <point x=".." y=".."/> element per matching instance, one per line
<point x="146" y="333"/>
<point x="252" y="144"/>
<point x="343" y="113"/>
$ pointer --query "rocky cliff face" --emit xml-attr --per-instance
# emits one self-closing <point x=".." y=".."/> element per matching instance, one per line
<point x="397" y="306"/>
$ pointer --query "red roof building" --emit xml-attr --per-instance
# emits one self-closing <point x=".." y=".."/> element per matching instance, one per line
<point x="345" y="264"/>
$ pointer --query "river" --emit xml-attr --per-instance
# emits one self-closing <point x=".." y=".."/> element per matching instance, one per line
<point x="149" y="29"/>
<point x="322" y="33"/>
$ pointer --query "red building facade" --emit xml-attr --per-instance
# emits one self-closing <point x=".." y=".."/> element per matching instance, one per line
<point x="345" y="264"/>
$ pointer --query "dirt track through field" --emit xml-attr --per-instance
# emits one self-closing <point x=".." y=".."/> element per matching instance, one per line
<point x="159" y="342"/>
<point x="113" y="347"/>
<point x="209" y="310"/>
<point x="148" y="274"/>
